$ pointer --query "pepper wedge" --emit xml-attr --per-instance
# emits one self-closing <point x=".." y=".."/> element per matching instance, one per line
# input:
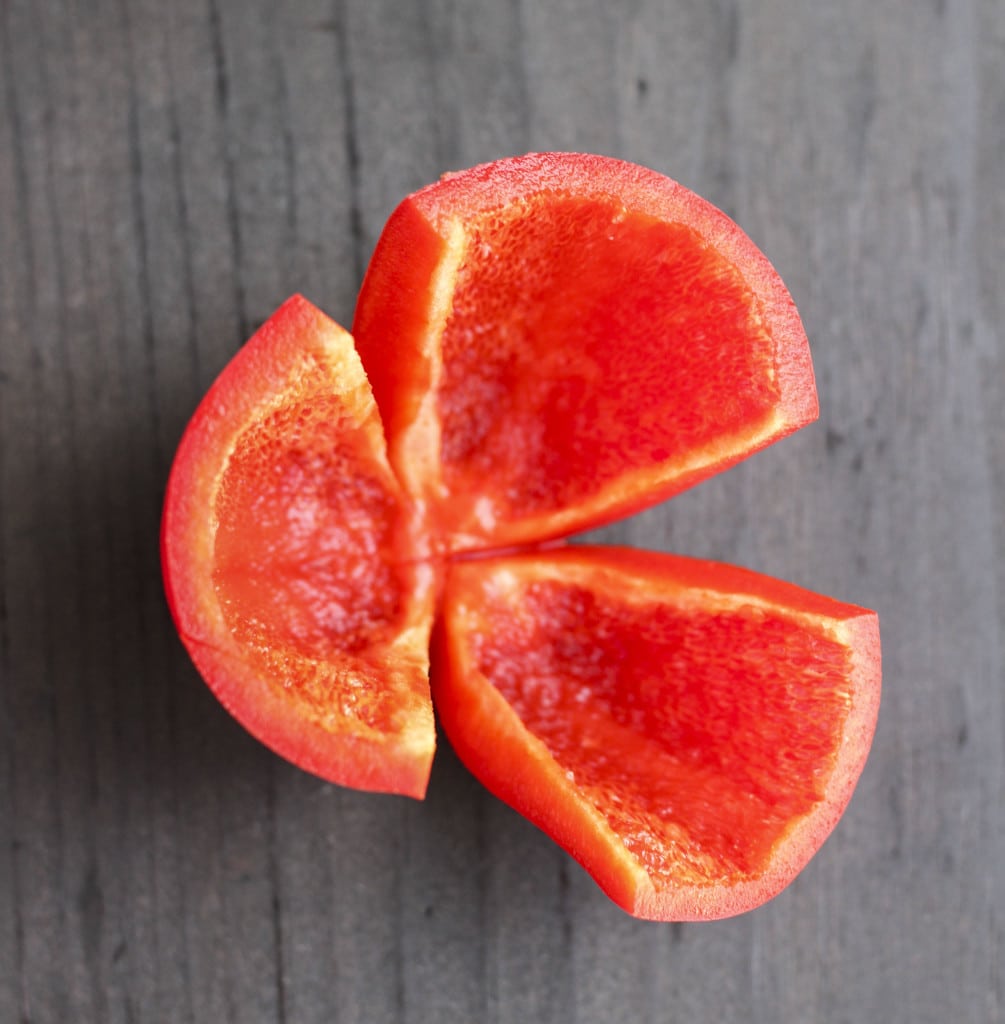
<point x="689" y="731"/>
<point x="287" y="550"/>
<point x="558" y="340"/>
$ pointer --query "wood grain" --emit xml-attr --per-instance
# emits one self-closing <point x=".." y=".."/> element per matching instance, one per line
<point x="169" y="173"/>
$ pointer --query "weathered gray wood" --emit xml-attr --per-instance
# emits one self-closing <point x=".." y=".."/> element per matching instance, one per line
<point x="168" y="174"/>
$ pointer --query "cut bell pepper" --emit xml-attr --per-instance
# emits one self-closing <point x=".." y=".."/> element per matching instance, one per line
<point x="691" y="732"/>
<point x="288" y="548"/>
<point x="559" y="340"/>
<point x="552" y="341"/>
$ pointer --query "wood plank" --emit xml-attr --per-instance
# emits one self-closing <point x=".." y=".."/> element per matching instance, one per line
<point x="168" y="175"/>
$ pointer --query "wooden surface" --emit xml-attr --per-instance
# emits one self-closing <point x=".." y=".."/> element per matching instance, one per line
<point x="169" y="172"/>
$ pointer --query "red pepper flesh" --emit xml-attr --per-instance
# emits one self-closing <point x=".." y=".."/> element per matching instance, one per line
<point x="689" y="731"/>
<point x="559" y="340"/>
<point x="287" y="552"/>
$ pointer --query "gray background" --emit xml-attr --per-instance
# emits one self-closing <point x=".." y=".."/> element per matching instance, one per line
<point x="169" y="173"/>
